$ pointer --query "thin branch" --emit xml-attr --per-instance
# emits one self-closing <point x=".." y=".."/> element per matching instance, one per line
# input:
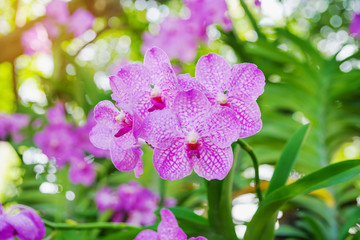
<point x="90" y="226"/>
<point x="252" y="20"/>
<point x="253" y="157"/>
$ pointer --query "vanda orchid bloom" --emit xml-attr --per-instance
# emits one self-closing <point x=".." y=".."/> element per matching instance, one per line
<point x="21" y="222"/>
<point x="168" y="229"/>
<point x="115" y="131"/>
<point x="190" y="122"/>
<point x="147" y="87"/>
<point x="193" y="135"/>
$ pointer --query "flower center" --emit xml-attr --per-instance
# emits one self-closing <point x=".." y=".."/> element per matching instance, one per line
<point x="155" y="92"/>
<point x="126" y="123"/>
<point x="120" y="117"/>
<point x="192" y="144"/>
<point x="192" y="137"/>
<point x="156" y="100"/>
<point x="222" y="98"/>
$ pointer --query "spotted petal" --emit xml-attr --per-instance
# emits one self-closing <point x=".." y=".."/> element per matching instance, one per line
<point x="147" y="235"/>
<point x="247" y="81"/>
<point x="172" y="163"/>
<point x="214" y="162"/>
<point x="105" y="113"/>
<point x="168" y="228"/>
<point x="187" y="83"/>
<point x="223" y="126"/>
<point x="213" y="72"/>
<point x="124" y="159"/>
<point x="101" y="136"/>
<point x="248" y="114"/>
<point x="191" y="107"/>
<point x="131" y="78"/>
<point x="160" y="68"/>
<point x="161" y="128"/>
<point x="24" y="227"/>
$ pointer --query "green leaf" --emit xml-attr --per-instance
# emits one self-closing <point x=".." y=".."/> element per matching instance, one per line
<point x="286" y="231"/>
<point x="351" y="219"/>
<point x="325" y="177"/>
<point x="189" y="215"/>
<point x="287" y="159"/>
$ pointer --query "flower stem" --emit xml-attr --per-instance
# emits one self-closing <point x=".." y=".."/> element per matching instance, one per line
<point x="162" y="186"/>
<point x="89" y="226"/>
<point x="252" y="19"/>
<point x="244" y="145"/>
<point x="220" y="206"/>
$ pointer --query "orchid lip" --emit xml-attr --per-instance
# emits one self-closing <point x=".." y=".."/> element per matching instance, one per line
<point x="222" y="98"/>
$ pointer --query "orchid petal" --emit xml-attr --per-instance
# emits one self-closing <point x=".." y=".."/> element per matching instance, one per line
<point x="213" y="72"/>
<point x="247" y="81"/>
<point x="147" y="235"/>
<point x="191" y="107"/>
<point x="168" y="228"/>
<point x="123" y="159"/>
<point x="223" y="126"/>
<point x="248" y="114"/>
<point x="214" y="162"/>
<point x="101" y="136"/>
<point x="160" y="129"/>
<point x="172" y="163"/>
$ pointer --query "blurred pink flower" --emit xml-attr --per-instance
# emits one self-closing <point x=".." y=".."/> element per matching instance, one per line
<point x="131" y="203"/>
<point x="81" y="171"/>
<point x="168" y="229"/>
<point x="36" y="40"/>
<point x="355" y="26"/>
<point x="207" y="12"/>
<point x="51" y="28"/>
<point x="175" y="38"/>
<point x="81" y="20"/>
<point x="21" y="222"/>
<point x="11" y="124"/>
<point x="58" y="10"/>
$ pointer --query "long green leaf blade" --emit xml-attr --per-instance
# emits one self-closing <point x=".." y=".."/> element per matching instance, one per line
<point x="287" y="159"/>
<point x="325" y="177"/>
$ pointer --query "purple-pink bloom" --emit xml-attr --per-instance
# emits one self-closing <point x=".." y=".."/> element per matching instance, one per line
<point x="193" y="135"/>
<point x="11" y="124"/>
<point x="131" y="203"/>
<point x="81" y="21"/>
<point x="36" y="40"/>
<point x="146" y="88"/>
<point x="175" y="38"/>
<point x="25" y="224"/>
<point x="83" y="140"/>
<point x="51" y="28"/>
<point x="56" y="141"/>
<point x="355" y="26"/>
<point x="58" y="10"/>
<point x="257" y="3"/>
<point x="235" y="87"/>
<point x="81" y="170"/>
<point x="106" y="199"/>
<point x="115" y="131"/>
<point x="206" y="12"/>
<point x="168" y="229"/>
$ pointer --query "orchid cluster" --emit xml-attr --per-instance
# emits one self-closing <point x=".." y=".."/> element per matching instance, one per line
<point x="354" y="27"/>
<point x="66" y="143"/>
<point x="179" y="37"/>
<point x="21" y="222"/>
<point x="11" y="124"/>
<point x="168" y="229"/>
<point x="131" y="203"/>
<point x="37" y="39"/>
<point x="189" y="122"/>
